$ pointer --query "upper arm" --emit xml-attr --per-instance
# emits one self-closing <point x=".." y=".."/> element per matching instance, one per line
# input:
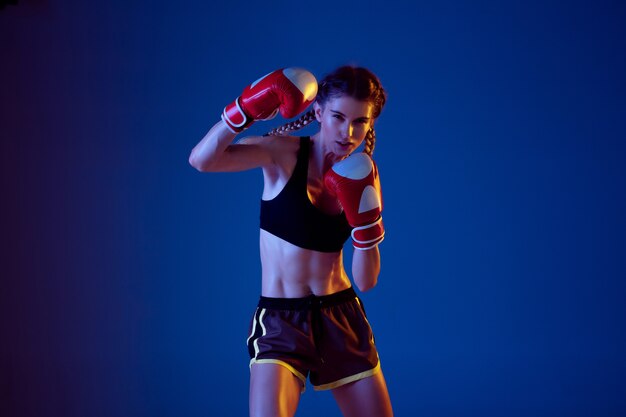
<point x="248" y="153"/>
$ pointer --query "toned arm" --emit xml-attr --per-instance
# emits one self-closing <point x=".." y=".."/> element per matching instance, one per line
<point x="366" y="268"/>
<point x="216" y="152"/>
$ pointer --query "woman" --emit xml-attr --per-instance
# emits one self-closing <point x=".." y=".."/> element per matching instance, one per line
<point x="317" y="193"/>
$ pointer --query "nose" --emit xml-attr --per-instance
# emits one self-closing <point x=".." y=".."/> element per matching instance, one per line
<point x="349" y="130"/>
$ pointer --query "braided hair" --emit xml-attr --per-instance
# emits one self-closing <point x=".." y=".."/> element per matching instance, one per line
<point x="356" y="82"/>
<point x="297" y="124"/>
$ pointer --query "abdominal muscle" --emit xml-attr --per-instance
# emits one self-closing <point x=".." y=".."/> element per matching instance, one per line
<point x="289" y="271"/>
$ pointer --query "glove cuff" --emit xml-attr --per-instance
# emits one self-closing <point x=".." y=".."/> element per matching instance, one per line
<point x="368" y="236"/>
<point x="235" y="118"/>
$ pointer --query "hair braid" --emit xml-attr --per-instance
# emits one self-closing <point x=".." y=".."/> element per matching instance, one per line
<point x="297" y="124"/>
<point x="370" y="142"/>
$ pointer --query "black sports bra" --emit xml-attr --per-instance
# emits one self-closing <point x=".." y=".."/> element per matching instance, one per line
<point x="291" y="215"/>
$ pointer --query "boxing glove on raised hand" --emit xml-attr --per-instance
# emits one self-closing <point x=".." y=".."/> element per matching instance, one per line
<point x="355" y="183"/>
<point x="288" y="90"/>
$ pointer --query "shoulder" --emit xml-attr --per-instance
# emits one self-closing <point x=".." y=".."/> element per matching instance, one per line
<point x="277" y="142"/>
<point x="280" y="151"/>
<point x="278" y="147"/>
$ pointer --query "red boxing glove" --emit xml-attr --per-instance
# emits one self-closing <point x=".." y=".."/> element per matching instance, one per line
<point x="354" y="181"/>
<point x="288" y="90"/>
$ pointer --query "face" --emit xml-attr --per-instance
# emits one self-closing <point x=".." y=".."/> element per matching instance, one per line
<point x="344" y="123"/>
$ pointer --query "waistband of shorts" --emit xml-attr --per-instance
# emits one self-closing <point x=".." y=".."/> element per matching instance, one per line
<point x="309" y="302"/>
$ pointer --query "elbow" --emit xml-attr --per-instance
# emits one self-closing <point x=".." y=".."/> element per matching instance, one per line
<point x="195" y="162"/>
<point x="365" y="284"/>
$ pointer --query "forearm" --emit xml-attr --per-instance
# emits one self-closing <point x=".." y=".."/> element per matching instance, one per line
<point x="212" y="146"/>
<point x="366" y="268"/>
<point x="280" y="91"/>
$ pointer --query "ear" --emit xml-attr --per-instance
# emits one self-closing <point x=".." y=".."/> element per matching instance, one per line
<point x="318" y="111"/>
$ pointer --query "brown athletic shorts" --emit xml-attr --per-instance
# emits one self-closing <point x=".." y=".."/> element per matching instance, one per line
<point x="327" y="338"/>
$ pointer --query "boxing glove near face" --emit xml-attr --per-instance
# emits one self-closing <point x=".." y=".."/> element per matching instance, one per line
<point x="355" y="183"/>
<point x="288" y="90"/>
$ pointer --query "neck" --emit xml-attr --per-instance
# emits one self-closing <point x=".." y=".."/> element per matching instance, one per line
<point x="321" y="158"/>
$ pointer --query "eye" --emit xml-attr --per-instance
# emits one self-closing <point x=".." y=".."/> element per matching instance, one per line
<point x="338" y="116"/>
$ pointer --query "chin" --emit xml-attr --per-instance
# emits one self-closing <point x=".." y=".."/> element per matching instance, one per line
<point x="341" y="150"/>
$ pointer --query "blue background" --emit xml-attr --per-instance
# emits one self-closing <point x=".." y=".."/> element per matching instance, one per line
<point x="128" y="279"/>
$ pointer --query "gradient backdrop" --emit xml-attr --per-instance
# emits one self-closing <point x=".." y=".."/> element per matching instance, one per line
<point x="128" y="279"/>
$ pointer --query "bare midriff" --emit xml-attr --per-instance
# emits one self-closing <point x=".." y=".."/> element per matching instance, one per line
<point x="289" y="271"/>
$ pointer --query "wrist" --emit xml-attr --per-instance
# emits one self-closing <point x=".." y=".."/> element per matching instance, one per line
<point x="368" y="236"/>
<point x="235" y="118"/>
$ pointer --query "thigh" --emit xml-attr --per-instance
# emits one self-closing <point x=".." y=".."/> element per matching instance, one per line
<point x="365" y="397"/>
<point x="274" y="390"/>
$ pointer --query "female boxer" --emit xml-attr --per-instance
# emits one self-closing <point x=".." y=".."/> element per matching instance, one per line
<point x="317" y="193"/>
